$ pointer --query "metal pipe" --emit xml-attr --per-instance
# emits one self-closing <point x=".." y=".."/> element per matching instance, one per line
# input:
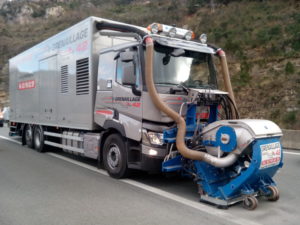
<point x="104" y="25"/>
<point x="120" y="34"/>
<point x="181" y="125"/>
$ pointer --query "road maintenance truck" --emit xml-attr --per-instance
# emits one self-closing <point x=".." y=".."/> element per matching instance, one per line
<point x="146" y="99"/>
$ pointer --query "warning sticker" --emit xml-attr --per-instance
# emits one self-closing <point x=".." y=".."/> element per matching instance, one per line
<point x="270" y="155"/>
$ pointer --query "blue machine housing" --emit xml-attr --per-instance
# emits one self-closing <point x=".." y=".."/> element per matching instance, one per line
<point x="250" y="175"/>
<point x="225" y="184"/>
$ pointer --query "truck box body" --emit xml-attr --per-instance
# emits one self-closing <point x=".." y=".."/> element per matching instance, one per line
<point x="54" y="83"/>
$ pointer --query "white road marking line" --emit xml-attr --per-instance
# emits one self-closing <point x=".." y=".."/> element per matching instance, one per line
<point x="187" y="202"/>
<point x="10" y="139"/>
<point x="196" y="205"/>
<point x="103" y="172"/>
<point x="291" y="153"/>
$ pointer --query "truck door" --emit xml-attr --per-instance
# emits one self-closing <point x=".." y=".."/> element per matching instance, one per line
<point x="47" y="89"/>
<point x="104" y="99"/>
<point x="127" y="99"/>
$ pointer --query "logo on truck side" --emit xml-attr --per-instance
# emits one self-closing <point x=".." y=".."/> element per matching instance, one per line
<point x="27" y="84"/>
<point x="124" y="101"/>
<point x="71" y="39"/>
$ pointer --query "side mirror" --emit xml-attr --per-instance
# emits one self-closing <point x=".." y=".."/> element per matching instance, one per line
<point x="128" y="75"/>
<point x="127" y="56"/>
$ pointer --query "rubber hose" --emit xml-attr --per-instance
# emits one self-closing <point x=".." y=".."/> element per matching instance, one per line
<point x="226" y="77"/>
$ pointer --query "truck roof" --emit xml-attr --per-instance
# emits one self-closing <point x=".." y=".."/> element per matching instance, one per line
<point x="91" y="18"/>
<point x="172" y="42"/>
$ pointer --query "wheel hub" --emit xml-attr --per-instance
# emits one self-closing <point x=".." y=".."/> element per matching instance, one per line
<point x="37" y="140"/>
<point x="113" y="156"/>
<point x="28" y="134"/>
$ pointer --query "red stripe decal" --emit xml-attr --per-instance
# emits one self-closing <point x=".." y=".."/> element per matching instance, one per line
<point x="105" y="112"/>
<point x="133" y="104"/>
<point x="173" y="98"/>
<point x="136" y="104"/>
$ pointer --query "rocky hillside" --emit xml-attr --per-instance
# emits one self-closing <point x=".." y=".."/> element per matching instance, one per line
<point x="261" y="38"/>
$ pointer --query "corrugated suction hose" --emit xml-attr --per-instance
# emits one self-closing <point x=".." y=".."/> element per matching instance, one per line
<point x="181" y="125"/>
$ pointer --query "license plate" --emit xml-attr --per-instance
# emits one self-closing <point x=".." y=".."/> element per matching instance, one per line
<point x="270" y="155"/>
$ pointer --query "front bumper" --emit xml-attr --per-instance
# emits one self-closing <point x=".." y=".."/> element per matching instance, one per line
<point x="152" y="163"/>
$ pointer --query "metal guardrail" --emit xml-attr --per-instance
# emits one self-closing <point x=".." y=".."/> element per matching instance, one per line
<point x="291" y="139"/>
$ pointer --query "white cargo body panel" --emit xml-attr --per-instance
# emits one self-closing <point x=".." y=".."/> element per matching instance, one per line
<point x="54" y="83"/>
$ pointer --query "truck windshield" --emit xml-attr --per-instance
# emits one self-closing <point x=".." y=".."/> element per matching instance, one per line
<point x="183" y="67"/>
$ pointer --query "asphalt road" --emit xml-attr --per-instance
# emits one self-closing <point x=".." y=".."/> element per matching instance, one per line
<point x="58" y="188"/>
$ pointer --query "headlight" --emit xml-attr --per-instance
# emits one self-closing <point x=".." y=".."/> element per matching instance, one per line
<point x="152" y="138"/>
<point x="189" y="35"/>
<point x="203" y="38"/>
<point x="172" y="32"/>
<point x="155" y="28"/>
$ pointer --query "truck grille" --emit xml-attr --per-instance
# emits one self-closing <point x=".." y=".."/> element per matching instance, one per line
<point x="64" y="80"/>
<point x="82" y="76"/>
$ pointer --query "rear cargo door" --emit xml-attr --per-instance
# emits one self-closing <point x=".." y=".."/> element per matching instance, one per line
<point x="47" y="89"/>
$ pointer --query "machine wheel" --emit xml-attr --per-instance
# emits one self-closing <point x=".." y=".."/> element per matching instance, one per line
<point x="250" y="203"/>
<point x="115" y="157"/>
<point x="38" y="139"/>
<point x="29" y="136"/>
<point x="274" y="196"/>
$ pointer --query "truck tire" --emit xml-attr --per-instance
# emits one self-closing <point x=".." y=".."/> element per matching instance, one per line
<point x="29" y="136"/>
<point x="115" y="157"/>
<point x="38" y="139"/>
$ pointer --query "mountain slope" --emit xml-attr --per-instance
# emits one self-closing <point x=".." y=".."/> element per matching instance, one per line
<point x="261" y="39"/>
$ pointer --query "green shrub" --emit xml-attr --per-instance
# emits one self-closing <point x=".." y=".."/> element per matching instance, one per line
<point x="193" y="5"/>
<point x="243" y="77"/>
<point x="289" y="68"/>
<point x="296" y="44"/>
<point x="290" y="117"/>
<point x="275" y="114"/>
<point x="38" y="13"/>
<point x="262" y="36"/>
<point x="232" y="46"/>
<point x="275" y="31"/>
<point x="296" y="17"/>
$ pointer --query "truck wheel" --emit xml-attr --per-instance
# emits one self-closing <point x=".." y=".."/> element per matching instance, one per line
<point x="250" y="203"/>
<point x="29" y="136"/>
<point x="38" y="139"/>
<point x="115" y="157"/>
<point x="274" y="195"/>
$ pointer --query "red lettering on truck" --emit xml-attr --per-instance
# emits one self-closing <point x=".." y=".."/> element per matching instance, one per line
<point x="27" y="84"/>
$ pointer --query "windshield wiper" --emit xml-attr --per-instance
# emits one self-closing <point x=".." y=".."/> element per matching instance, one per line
<point x="182" y="85"/>
<point x="179" y="88"/>
<point x="207" y="86"/>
